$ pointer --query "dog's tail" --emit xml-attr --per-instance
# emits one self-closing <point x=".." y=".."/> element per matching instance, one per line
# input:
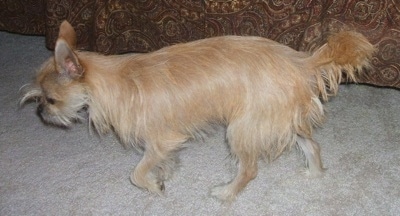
<point x="347" y="52"/>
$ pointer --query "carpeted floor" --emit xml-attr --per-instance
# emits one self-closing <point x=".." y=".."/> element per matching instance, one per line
<point x="51" y="171"/>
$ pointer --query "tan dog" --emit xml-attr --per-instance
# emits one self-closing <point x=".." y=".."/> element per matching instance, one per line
<point x="266" y="94"/>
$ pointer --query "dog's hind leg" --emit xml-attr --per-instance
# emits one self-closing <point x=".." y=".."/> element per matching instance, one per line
<point x="146" y="173"/>
<point x="312" y="153"/>
<point x="248" y="167"/>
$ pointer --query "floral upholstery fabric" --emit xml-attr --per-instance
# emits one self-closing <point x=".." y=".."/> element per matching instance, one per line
<point x="119" y="26"/>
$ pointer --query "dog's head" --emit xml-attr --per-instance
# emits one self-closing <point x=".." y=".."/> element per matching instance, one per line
<point x="59" y="86"/>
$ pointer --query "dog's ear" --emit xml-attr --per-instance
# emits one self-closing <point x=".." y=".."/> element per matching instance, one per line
<point x="67" y="33"/>
<point x="67" y="61"/>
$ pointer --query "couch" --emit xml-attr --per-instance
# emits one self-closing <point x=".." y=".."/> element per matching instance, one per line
<point x="120" y="26"/>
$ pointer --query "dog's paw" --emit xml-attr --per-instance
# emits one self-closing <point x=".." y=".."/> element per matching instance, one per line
<point x="156" y="187"/>
<point x="312" y="173"/>
<point x="161" y="186"/>
<point x="223" y="193"/>
<point x="163" y="173"/>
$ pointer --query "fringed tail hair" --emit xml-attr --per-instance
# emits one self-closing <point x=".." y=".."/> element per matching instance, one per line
<point x="345" y="52"/>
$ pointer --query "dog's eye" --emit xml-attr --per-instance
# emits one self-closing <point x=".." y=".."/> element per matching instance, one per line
<point x="50" y="100"/>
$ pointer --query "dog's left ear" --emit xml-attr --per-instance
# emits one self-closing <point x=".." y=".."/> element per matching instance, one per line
<point x="66" y="60"/>
<point x="67" y="33"/>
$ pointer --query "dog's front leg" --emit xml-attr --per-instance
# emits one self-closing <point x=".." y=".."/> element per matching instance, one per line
<point x="158" y="161"/>
<point x="143" y="177"/>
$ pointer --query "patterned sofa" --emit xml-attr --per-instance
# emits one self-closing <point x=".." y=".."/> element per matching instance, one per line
<point x="118" y="26"/>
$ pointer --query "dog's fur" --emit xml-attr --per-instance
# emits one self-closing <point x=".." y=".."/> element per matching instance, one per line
<point x="266" y="94"/>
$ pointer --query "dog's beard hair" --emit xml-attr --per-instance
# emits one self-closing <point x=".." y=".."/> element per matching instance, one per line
<point x="30" y="92"/>
<point x="64" y="120"/>
<point x="75" y="112"/>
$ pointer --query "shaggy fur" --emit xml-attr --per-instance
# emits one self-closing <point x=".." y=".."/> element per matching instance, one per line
<point x="266" y="94"/>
